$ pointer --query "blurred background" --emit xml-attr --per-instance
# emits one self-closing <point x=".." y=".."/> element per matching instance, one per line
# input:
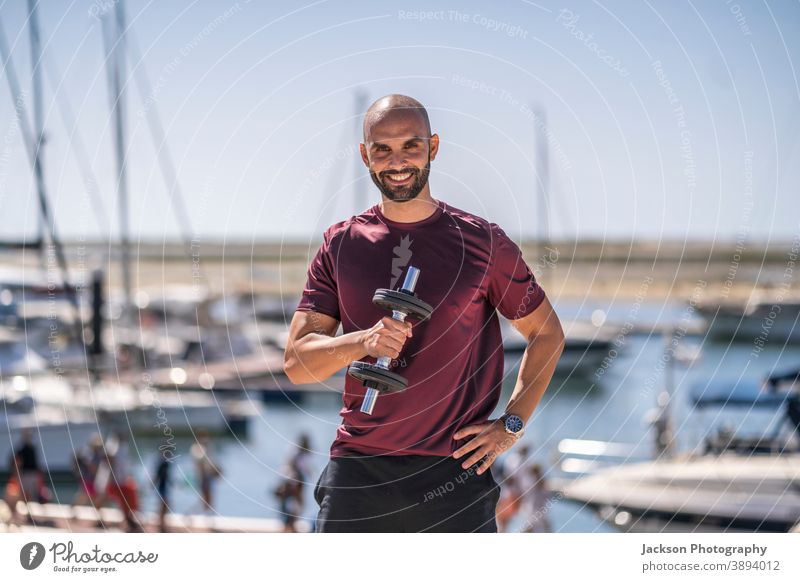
<point x="167" y="171"/>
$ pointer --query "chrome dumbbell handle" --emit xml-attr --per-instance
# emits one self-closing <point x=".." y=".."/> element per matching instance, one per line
<point x="409" y="283"/>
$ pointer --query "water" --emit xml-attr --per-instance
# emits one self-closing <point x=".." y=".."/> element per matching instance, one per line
<point x="610" y="407"/>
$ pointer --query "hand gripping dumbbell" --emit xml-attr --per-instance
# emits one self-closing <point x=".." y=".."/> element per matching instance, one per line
<point x="402" y="303"/>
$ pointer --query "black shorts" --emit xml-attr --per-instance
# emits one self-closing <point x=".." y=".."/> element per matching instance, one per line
<point x="405" y="494"/>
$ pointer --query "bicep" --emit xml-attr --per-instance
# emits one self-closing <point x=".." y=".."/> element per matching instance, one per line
<point x="541" y="321"/>
<point x="306" y="322"/>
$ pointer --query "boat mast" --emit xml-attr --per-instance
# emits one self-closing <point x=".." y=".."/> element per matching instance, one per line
<point x="38" y="109"/>
<point x="33" y="150"/>
<point x="115" y="39"/>
<point x="359" y="181"/>
<point x="542" y="185"/>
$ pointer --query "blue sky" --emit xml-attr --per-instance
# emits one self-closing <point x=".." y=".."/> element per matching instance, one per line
<point x="668" y="120"/>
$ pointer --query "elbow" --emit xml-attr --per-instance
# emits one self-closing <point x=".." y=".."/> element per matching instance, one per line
<point x="559" y="337"/>
<point x="294" y="375"/>
<point x="289" y="372"/>
<point x="292" y="367"/>
<point x="297" y="370"/>
<point x="558" y="331"/>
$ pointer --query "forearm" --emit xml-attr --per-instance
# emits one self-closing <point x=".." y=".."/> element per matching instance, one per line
<point x="316" y="357"/>
<point x="536" y="370"/>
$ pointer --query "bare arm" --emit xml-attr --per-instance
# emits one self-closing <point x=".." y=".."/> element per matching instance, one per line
<point x="545" y="344"/>
<point x="545" y="337"/>
<point x="313" y="352"/>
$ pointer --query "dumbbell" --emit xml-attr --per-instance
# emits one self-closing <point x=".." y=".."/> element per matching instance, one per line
<point x="402" y="303"/>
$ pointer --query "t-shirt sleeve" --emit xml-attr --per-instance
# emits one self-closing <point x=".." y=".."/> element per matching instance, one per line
<point x="513" y="289"/>
<point x="320" y="293"/>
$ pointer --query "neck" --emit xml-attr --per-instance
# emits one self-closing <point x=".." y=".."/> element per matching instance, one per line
<point x="414" y="210"/>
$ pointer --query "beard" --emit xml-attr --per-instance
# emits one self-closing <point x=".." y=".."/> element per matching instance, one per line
<point x="403" y="193"/>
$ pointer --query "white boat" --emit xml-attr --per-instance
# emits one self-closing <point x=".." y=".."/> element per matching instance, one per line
<point x="763" y="318"/>
<point x="57" y="434"/>
<point x="732" y="484"/>
<point x="585" y="345"/>
<point x="140" y="410"/>
<point x="731" y="491"/>
<point x="143" y="409"/>
<point x="15" y="357"/>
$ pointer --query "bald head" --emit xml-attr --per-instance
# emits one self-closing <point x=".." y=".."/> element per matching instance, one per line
<point x="395" y="105"/>
<point x="398" y="147"/>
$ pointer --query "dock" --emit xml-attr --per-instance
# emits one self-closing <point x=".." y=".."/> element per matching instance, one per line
<point x="56" y="518"/>
<point x="259" y="374"/>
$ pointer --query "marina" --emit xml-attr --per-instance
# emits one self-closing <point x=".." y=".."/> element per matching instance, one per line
<point x="619" y="397"/>
<point x="144" y="365"/>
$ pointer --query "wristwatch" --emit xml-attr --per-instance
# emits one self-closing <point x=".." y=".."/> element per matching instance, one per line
<point x="513" y="424"/>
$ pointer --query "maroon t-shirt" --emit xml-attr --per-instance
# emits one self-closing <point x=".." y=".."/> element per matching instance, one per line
<point x="470" y="270"/>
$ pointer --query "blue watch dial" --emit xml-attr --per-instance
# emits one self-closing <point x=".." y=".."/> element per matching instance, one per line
<point x="513" y="423"/>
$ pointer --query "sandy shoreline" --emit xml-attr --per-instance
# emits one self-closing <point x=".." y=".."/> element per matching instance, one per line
<point x="645" y="270"/>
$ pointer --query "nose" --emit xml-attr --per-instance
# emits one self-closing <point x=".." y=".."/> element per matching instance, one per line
<point x="397" y="161"/>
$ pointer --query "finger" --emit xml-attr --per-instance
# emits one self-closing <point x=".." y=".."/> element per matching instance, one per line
<point x="393" y="340"/>
<point x="401" y="327"/>
<point x="474" y="458"/>
<point x="375" y="343"/>
<point x="486" y="464"/>
<point x="400" y="337"/>
<point x="468" y="430"/>
<point x="471" y="445"/>
<point x="384" y="350"/>
<point x="393" y="324"/>
<point x="391" y="344"/>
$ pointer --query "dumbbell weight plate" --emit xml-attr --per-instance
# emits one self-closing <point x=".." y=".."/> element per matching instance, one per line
<point x="400" y="301"/>
<point x="387" y="381"/>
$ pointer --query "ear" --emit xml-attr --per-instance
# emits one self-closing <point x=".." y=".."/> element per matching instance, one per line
<point x="364" y="157"/>
<point x="434" y="145"/>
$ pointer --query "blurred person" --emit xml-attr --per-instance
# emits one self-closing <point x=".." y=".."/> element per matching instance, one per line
<point x="535" y="508"/>
<point x="26" y="482"/>
<point x="660" y="421"/>
<point x="207" y="471"/>
<point x="122" y="487"/>
<point x="28" y="470"/>
<point x="100" y="467"/>
<point x="289" y="494"/>
<point x="85" y="465"/>
<point x="12" y="493"/>
<point x="83" y="472"/>
<point x="163" y="486"/>
<point x="516" y="482"/>
<point x="291" y="489"/>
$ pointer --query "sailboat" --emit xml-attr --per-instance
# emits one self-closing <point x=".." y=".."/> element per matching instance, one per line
<point x="106" y="402"/>
<point x="585" y="344"/>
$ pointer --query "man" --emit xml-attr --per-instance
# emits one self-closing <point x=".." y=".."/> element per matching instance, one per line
<point x="420" y="461"/>
<point x="28" y="467"/>
<point x="207" y="470"/>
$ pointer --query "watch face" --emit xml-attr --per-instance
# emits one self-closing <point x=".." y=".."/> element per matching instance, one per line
<point x="513" y="423"/>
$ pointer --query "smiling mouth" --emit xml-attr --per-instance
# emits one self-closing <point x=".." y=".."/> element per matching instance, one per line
<point x="400" y="179"/>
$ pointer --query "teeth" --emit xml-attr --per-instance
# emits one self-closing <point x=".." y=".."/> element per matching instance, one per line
<point x="399" y="177"/>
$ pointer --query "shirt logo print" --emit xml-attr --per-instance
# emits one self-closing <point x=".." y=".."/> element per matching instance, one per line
<point x="402" y="255"/>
